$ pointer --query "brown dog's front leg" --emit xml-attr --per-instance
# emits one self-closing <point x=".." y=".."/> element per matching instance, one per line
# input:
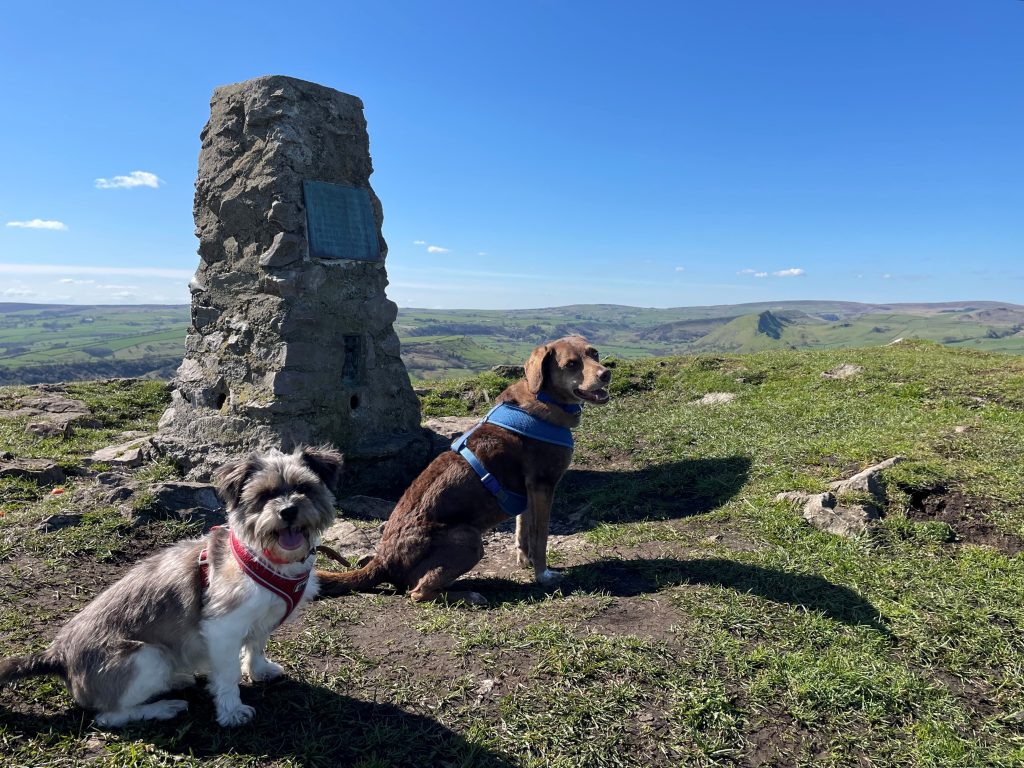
<point x="524" y="533"/>
<point x="537" y="525"/>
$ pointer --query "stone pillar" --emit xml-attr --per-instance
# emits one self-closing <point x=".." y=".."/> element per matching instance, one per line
<point x="291" y="338"/>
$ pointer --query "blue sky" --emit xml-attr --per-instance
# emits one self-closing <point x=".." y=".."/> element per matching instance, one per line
<point x="652" y="154"/>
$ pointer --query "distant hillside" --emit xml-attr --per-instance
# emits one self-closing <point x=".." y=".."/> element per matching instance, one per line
<point x="59" y="342"/>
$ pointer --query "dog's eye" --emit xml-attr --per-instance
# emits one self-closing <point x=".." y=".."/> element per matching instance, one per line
<point x="573" y="364"/>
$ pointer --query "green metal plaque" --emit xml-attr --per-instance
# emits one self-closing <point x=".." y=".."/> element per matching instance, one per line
<point x="339" y="222"/>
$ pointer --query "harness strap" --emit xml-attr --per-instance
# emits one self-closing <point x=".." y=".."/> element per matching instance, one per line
<point x="288" y="588"/>
<point x="516" y="420"/>
<point x="511" y="504"/>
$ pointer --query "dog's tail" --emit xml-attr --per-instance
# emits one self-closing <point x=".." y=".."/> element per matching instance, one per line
<point x="335" y="583"/>
<point x="43" y="663"/>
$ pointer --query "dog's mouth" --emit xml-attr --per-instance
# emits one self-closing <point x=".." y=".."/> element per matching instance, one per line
<point x="291" y="538"/>
<point x="595" y="396"/>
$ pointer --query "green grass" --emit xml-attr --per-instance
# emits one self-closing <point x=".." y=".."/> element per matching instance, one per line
<point x="700" y="622"/>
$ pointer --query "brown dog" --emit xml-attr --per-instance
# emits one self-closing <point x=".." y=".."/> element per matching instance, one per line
<point x="435" y="533"/>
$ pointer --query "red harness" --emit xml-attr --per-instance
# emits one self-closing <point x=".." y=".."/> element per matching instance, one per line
<point x="288" y="588"/>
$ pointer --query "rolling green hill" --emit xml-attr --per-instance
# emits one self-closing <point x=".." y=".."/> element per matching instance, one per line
<point x="58" y="343"/>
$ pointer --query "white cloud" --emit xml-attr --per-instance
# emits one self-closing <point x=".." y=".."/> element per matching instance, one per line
<point x="38" y="224"/>
<point x="18" y="292"/>
<point x="746" y="272"/>
<point x="760" y="274"/>
<point x="419" y="242"/>
<point x="436" y="249"/>
<point x="680" y="269"/>
<point x="795" y="272"/>
<point x="481" y="253"/>
<point x="886" y="276"/>
<point x="133" y="179"/>
<point x="70" y="281"/>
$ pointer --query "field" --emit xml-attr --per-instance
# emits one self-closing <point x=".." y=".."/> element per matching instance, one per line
<point x="699" y="621"/>
<point x="62" y="343"/>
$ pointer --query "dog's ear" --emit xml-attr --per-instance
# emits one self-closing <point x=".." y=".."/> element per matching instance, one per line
<point x="230" y="478"/>
<point x="535" y="368"/>
<point x="325" y="462"/>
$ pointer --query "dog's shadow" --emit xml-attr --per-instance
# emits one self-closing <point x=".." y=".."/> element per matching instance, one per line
<point x="661" y="492"/>
<point x="632" y="578"/>
<point x="296" y="721"/>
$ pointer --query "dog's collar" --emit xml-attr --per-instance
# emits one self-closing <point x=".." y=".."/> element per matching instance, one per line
<point x="575" y="409"/>
<point x="288" y="588"/>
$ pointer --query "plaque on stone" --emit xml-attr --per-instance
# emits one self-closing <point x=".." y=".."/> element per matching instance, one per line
<point x="340" y="222"/>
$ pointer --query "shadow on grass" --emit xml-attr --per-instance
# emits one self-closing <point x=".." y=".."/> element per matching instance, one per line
<point x="295" y="721"/>
<point x="630" y="578"/>
<point x="663" y="492"/>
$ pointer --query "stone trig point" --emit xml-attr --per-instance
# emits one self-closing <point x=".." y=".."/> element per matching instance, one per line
<point x="291" y="338"/>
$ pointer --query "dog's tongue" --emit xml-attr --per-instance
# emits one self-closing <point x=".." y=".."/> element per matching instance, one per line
<point x="290" y="539"/>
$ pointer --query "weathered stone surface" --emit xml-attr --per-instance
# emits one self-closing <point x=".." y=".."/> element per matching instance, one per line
<point x="41" y="471"/>
<point x="509" y="371"/>
<point x="286" y="349"/>
<point x="56" y="522"/>
<point x="129" y="454"/>
<point x="366" y="507"/>
<point x="46" y="428"/>
<point x="866" y="481"/>
<point x="352" y="543"/>
<point x="173" y="497"/>
<point x="823" y="512"/>
<point x="844" y="371"/>
<point x="450" y="427"/>
<point x="716" y="398"/>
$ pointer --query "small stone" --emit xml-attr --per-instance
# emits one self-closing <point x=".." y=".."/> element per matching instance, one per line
<point x="822" y="511"/>
<point x="350" y="542"/>
<point x="844" y="371"/>
<point x="56" y="522"/>
<point x="716" y="398"/>
<point x="49" y="429"/>
<point x="170" y="498"/>
<point x="367" y="507"/>
<point x="130" y="454"/>
<point x="866" y="481"/>
<point x="41" y="471"/>
<point x="509" y="371"/>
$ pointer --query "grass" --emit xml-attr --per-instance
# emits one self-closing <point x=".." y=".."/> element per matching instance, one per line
<point x="700" y="622"/>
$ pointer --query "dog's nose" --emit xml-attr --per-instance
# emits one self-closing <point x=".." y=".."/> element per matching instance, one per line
<point x="289" y="513"/>
<point x="605" y="376"/>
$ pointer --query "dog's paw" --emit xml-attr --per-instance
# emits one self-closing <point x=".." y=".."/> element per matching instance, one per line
<point x="267" y="670"/>
<point x="548" y="576"/>
<point x="239" y="715"/>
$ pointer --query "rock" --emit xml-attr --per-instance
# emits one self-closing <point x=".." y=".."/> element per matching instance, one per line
<point x="450" y="427"/>
<point x="366" y="507"/>
<point x="795" y="496"/>
<point x="844" y="371"/>
<point x="56" y="522"/>
<point x="960" y="429"/>
<point x="49" y="428"/>
<point x="866" y="481"/>
<point x="284" y="250"/>
<point x="716" y="398"/>
<point x="169" y="499"/>
<point x="823" y="512"/>
<point x="509" y="371"/>
<point x="130" y="454"/>
<point x="349" y="541"/>
<point x="41" y="471"/>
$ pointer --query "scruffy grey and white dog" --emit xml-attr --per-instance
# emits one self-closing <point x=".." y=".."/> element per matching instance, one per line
<point x="204" y="606"/>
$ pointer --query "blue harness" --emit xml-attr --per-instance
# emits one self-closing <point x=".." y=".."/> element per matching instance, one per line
<point x="516" y="420"/>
